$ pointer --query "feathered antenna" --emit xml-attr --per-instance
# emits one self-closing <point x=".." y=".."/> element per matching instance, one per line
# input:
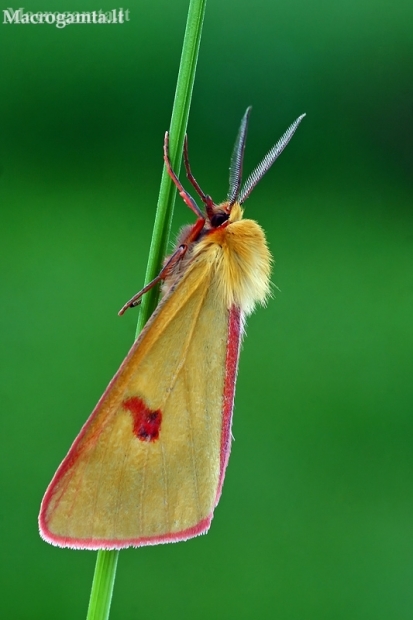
<point x="268" y="160"/>
<point x="237" y="158"/>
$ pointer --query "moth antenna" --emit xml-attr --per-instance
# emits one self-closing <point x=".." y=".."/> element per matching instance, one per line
<point x="268" y="161"/>
<point x="237" y="158"/>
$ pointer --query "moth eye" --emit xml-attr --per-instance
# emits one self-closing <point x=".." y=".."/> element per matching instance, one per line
<point x="218" y="219"/>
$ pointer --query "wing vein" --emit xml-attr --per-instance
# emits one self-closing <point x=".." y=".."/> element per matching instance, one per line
<point x="120" y="487"/>
<point x="193" y="456"/>
<point x="142" y="493"/>
<point x="185" y="348"/>
<point x="165" y="487"/>
<point x="99" y="484"/>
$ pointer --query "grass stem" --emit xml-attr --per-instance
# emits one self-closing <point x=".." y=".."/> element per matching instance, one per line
<point x="105" y="570"/>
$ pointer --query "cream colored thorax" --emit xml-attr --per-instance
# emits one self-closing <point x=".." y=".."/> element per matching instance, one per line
<point x="239" y="259"/>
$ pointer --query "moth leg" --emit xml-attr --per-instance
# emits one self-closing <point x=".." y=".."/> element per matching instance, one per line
<point x="206" y="199"/>
<point x="187" y="198"/>
<point x="190" y="237"/>
<point x="166" y="269"/>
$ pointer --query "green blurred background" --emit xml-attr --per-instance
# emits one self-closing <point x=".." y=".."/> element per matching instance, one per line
<point x="316" y="517"/>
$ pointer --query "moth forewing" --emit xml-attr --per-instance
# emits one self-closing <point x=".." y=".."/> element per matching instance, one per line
<point x="149" y="463"/>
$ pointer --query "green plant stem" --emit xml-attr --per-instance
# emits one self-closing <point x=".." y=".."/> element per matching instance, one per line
<point x="179" y="122"/>
<point x="102" y="585"/>
<point x="105" y="570"/>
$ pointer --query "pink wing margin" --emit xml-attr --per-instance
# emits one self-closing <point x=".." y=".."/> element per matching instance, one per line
<point x="235" y="332"/>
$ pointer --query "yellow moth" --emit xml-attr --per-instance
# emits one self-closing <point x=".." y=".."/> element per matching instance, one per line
<point x="149" y="463"/>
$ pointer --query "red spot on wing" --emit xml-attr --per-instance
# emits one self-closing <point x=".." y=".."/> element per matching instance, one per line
<point x="146" y="422"/>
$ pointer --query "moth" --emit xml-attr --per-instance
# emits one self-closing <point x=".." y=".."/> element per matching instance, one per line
<point x="148" y="465"/>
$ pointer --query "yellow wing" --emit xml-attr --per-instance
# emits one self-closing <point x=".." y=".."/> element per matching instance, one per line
<point x="146" y="465"/>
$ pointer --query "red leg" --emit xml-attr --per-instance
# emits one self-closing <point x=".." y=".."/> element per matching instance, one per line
<point x="181" y="250"/>
<point x="166" y="269"/>
<point x="189" y="174"/>
<point x="136" y="299"/>
<point x="207" y="200"/>
<point x="187" y="198"/>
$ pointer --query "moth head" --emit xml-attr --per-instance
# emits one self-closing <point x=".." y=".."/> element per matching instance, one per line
<point x="223" y="214"/>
